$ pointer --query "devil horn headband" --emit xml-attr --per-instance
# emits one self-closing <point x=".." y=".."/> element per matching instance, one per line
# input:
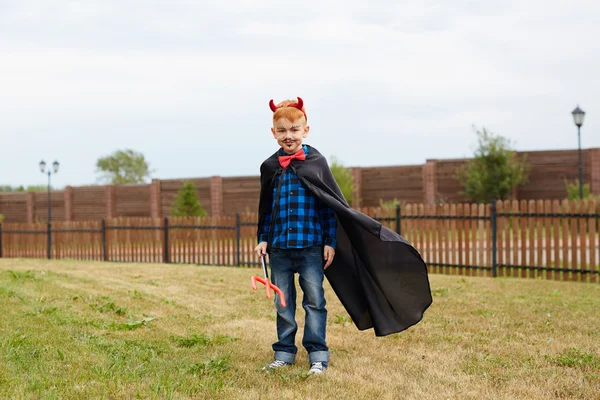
<point x="297" y="105"/>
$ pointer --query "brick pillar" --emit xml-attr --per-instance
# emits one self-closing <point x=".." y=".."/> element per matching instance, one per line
<point x="68" y="196"/>
<point x="155" y="197"/>
<point x="430" y="186"/>
<point x="594" y="162"/>
<point x="111" y="201"/>
<point x="216" y="196"/>
<point x="30" y="207"/>
<point x="357" y="181"/>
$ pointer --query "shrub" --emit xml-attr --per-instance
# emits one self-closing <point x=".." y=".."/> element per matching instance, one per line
<point x="344" y="179"/>
<point x="186" y="203"/>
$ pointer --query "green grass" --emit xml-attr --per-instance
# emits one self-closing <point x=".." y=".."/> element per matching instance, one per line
<point x="74" y="330"/>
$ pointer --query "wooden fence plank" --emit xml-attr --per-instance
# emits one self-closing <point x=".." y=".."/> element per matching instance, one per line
<point x="452" y="237"/>
<point x="446" y="238"/>
<point x="523" y="238"/>
<point x="483" y="239"/>
<point x="583" y="241"/>
<point x="467" y="237"/>
<point x="594" y="245"/>
<point x="531" y="242"/>
<point x="565" y="238"/>
<point x="474" y="239"/>
<point x="547" y="237"/>
<point x="487" y="210"/>
<point x="573" y="225"/>
<point x="460" y="228"/>
<point x="515" y="238"/>
<point x="500" y="237"/>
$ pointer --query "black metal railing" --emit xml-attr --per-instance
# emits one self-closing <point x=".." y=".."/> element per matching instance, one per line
<point x="493" y="217"/>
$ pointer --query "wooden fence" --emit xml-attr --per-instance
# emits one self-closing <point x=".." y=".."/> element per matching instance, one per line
<point x="533" y="239"/>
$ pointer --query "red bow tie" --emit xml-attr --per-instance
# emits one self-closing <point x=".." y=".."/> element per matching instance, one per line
<point x="284" y="161"/>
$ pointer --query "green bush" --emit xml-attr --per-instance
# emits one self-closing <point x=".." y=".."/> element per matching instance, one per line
<point x="494" y="171"/>
<point x="389" y="205"/>
<point x="186" y="203"/>
<point x="573" y="190"/>
<point x="344" y="179"/>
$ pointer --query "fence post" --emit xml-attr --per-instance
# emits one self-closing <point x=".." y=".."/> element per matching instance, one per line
<point x="49" y="234"/>
<point x="237" y="238"/>
<point x="398" y="231"/>
<point x="104" y="253"/>
<point x="0" y="240"/>
<point x="493" y="218"/>
<point x="166" y="241"/>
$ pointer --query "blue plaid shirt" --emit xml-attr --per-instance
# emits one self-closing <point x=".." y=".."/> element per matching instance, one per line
<point x="301" y="220"/>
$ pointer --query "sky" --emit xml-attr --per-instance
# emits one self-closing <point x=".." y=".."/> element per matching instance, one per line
<point x="187" y="83"/>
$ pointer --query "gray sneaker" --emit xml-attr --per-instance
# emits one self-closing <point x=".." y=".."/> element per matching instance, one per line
<point x="276" y="364"/>
<point x="317" y="368"/>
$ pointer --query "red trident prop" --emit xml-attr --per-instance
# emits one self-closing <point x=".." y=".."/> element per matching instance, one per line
<point x="267" y="283"/>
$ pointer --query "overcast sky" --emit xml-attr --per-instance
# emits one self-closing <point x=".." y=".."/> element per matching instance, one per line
<point x="187" y="83"/>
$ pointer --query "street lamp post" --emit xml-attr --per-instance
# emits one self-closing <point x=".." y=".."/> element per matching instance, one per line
<point x="578" y="116"/>
<point x="55" y="165"/>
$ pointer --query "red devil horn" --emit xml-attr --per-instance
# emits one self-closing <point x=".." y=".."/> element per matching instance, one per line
<point x="299" y="106"/>
<point x="272" y="105"/>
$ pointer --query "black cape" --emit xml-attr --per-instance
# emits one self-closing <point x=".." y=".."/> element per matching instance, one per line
<point x="379" y="277"/>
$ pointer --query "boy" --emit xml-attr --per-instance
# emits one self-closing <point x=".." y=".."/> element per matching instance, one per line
<point x="300" y="234"/>
<point x="379" y="277"/>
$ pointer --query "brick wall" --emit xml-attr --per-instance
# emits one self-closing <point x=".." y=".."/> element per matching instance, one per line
<point x="448" y="188"/>
<point x="132" y="201"/>
<point x="88" y="203"/>
<point x="240" y="194"/>
<point x="41" y="206"/>
<point x="594" y="168"/>
<point x="389" y="183"/>
<point x="14" y="207"/>
<point x="432" y="182"/>
<point x="549" y="169"/>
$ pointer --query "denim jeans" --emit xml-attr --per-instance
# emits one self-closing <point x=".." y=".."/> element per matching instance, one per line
<point x="308" y="263"/>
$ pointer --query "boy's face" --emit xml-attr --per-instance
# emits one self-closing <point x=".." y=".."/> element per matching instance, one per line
<point x="290" y="135"/>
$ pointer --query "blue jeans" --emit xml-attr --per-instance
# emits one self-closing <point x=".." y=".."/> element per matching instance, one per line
<point x="308" y="263"/>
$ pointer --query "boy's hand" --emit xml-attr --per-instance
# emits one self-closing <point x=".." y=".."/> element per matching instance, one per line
<point x="261" y="249"/>
<point x="328" y="254"/>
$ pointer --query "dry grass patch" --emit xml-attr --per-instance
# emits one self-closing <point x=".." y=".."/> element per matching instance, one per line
<point x="73" y="330"/>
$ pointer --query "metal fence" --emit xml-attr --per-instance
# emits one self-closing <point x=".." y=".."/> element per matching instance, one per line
<point x="553" y="240"/>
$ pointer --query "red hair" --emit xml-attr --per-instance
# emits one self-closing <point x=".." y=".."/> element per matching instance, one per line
<point x="288" y="109"/>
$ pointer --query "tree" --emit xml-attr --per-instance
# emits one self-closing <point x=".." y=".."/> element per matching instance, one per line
<point x="20" y="188"/>
<point x="344" y="179"/>
<point x="124" y="166"/>
<point x="186" y="203"/>
<point x="10" y="189"/>
<point x="35" y="188"/>
<point x="494" y="171"/>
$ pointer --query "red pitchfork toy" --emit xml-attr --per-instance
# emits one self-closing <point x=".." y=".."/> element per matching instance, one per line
<point x="267" y="283"/>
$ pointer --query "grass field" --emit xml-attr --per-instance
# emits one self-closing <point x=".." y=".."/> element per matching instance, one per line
<point x="77" y="330"/>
